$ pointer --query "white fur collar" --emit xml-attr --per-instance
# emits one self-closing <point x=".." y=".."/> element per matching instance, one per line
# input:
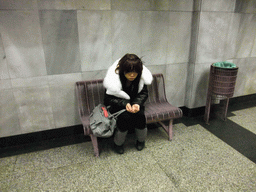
<point x="113" y="84"/>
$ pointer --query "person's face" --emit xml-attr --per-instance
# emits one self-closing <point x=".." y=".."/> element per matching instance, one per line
<point x="131" y="75"/>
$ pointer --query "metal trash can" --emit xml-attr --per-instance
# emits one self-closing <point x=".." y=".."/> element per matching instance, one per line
<point x="221" y="86"/>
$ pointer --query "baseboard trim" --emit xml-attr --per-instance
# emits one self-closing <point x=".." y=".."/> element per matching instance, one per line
<point x="37" y="137"/>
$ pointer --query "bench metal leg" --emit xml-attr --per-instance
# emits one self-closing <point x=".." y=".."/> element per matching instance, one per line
<point x="168" y="128"/>
<point x="207" y="109"/>
<point x="225" y="109"/>
<point x="170" y="133"/>
<point x="95" y="145"/>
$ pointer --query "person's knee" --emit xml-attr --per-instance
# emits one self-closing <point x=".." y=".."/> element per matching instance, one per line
<point x="127" y="121"/>
<point x="122" y="128"/>
<point x="123" y="122"/>
<point x="140" y="122"/>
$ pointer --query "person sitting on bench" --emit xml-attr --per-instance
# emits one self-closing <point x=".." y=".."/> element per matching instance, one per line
<point x="126" y="88"/>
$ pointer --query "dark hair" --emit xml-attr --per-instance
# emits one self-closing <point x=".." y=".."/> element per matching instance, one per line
<point x="129" y="63"/>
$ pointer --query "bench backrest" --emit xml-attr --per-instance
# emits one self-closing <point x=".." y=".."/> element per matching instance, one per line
<point x="91" y="93"/>
<point x="156" y="91"/>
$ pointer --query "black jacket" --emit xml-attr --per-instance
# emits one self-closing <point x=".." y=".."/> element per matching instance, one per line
<point x="117" y="103"/>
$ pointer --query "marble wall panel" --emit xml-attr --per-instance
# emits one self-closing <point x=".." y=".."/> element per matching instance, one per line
<point x="73" y="5"/>
<point x="246" y="76"/>
<point x="131" y="5"/>
<point x="5" y="84"/>
<point x="175" y="84"/>
<point x="65" y="107"/>
<point x="157" y="69"/>
<point x="89" y="75"/>
<point x="60" y="41"/>
<point x="230" y="44"/>
<point x="9" y="119"/>
<point x="253" y="53"/>
<point x="241" y="76"/>
<point x="213" y="35"/>
<point x="22" y="43"/>
<point x="160" y="5"/>
<point x="218" y="5"/>
<point x="246" y="35"/>
<point x="64" y="79"/>
<point x="200" y="85"/>
<point x="4" y="73"/>
<point x="154" y="37"/>
<point x="35" y="108"/>
<point x="189" y="84"/>
<point x="30" y="82"/>
<point x="248" y="6"/>
<point x="126" y="33"/>
<point x="181" y="5"/>
<point x="179" y="33"/>
<point x="95" y="39"/>
<point x="18" y="4"/>
<point x="153" y="5"/>
<point x="63" y="99"/>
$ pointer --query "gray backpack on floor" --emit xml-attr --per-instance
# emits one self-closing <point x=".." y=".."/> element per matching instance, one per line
<point x="103" y="123"/>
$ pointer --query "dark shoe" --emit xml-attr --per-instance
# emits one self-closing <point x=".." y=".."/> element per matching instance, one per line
<point x="140" y="145"/>
<point x="119" y="149"/>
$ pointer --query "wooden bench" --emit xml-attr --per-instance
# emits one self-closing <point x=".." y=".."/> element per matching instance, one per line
<point x="157" y="108"/>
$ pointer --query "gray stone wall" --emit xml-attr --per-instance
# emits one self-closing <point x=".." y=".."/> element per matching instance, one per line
<point x="48" y="45"/>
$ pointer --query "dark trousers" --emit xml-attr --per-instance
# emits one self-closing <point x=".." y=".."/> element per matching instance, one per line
<point x="129" y="121"/>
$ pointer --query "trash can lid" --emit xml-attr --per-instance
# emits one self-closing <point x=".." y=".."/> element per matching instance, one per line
<point x="224" y="64"/>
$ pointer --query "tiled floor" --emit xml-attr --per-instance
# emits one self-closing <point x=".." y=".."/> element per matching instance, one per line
<point x="200" y="158"/>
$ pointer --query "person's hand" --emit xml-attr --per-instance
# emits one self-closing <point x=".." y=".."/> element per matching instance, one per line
<point x="135" y="108"/>
<point x="132" y="109"/>
<point x="129" y="108"/>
